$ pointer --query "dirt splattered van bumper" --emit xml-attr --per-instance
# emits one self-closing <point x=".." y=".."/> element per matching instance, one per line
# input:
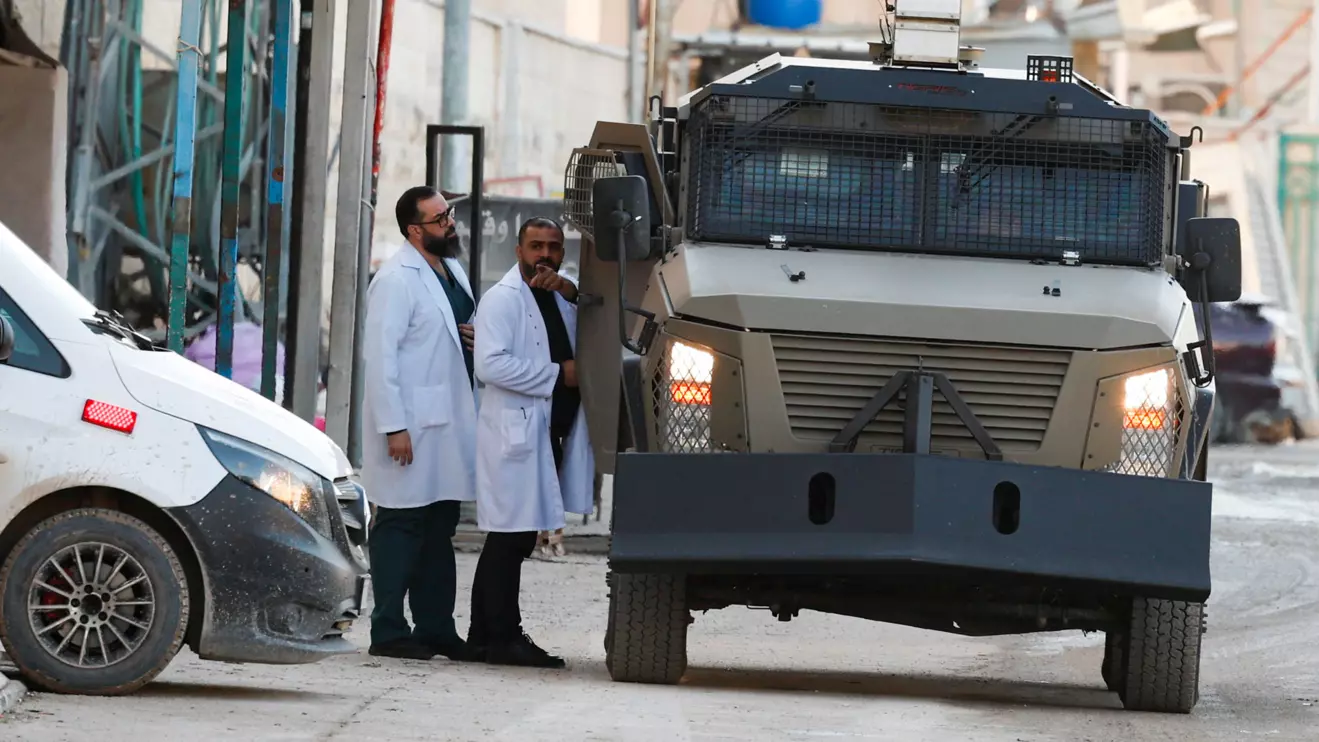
<point x="915" y="516"/>
<point x="277" y="591"/>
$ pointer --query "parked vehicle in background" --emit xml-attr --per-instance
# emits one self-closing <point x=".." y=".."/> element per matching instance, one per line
<point x="147" y="503"/>
<point x="1260" y="392"/>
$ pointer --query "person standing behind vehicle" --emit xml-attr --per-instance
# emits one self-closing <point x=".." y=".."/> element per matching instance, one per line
<point x="419" y="441"/>
<point x="534" y="460"/>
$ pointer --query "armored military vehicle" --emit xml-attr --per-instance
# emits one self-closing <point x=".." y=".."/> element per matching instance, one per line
<point x="909" y="340"/>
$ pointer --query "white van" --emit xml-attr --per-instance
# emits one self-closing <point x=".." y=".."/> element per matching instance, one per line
<point x="147" y="502"/>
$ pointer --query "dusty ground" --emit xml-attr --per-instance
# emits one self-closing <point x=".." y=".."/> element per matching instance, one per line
<point x="818" y="677"/>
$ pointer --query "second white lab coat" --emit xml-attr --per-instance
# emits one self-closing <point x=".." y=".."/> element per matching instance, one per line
<point x="516" y="483"/>
<point x="416" y="380"/>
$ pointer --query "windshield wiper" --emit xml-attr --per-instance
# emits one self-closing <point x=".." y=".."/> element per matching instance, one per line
<point x="113" y="323"/>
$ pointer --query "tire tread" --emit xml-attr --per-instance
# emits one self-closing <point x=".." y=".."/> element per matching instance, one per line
<point x="1163" y="656"/>
<point x="647" y="640"/>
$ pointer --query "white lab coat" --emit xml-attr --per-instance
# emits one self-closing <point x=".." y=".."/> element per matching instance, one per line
<point x="416" y="380"/>
<point x="516" y="485"/>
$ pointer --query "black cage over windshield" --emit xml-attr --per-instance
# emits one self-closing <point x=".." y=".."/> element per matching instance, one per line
<point x="930" y="180"/>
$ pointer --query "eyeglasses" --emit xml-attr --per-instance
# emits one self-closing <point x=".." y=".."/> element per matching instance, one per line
<point x="444" y="218"/>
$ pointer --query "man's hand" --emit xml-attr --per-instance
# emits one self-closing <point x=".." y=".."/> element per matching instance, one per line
<point x="569" y="373"/>
<point x="549" y="279"/>
<point x="468" y="333"/>
<point x="400" y="447"/>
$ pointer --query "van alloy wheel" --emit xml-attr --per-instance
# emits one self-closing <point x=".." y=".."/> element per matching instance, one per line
<point x="91" y="605"/>
<point x="92" y="601"/>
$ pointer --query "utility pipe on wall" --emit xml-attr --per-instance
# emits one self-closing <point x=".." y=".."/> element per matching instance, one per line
<point x="313" y="191"/>
<point x="453" y="91"/>
<point x="348" y="220"/>
<point x="355" y="427"/>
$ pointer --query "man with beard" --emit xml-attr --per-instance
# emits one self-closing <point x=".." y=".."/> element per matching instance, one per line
<point x="419" y="430"/>
<point x="534" y="461"/>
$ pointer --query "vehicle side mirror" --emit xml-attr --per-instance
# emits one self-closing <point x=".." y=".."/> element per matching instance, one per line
<point x="6" y="340"/>
<point x="1213" y="252"/>
<point x="621" y="211"/>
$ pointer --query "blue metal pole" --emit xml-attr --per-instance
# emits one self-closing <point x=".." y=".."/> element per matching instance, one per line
<point x="185" y="133"/>
<point x="276" y="167"/>
<point x="235" y="78"/>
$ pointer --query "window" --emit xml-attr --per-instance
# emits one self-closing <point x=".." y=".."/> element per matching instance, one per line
<point x="843" y="175"/>
<point x="32" y="351"/>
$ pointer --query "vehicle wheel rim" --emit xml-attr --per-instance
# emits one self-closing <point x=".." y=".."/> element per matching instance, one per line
<point x="91" y="605"/>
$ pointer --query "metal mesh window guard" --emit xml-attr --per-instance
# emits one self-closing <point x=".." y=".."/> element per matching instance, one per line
<point x="927" y="180"/>
<point x="1151" y="425"/>
<point x="681" y="397"/>
<point x="586" y="166"/>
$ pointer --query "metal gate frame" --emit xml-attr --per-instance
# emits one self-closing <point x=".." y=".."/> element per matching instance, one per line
<point x="477" y="133"/>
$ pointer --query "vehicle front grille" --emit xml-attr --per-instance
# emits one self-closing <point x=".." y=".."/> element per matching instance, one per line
<point x="352" y="508"/>
<point x="827" y="380"/>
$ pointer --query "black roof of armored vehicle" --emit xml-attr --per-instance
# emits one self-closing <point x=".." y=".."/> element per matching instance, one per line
<point x="1037" y="164"/>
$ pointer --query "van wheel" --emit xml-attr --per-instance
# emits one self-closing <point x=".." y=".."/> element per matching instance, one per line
<point x="92" y="602"/>
<point x="646" y="636"/>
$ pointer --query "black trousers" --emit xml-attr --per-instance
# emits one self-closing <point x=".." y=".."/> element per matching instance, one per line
<point x="412" y="555"/>
<point x="496" y="614"/>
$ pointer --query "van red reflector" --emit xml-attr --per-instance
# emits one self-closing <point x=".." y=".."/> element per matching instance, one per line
<point x="109" y="416"/>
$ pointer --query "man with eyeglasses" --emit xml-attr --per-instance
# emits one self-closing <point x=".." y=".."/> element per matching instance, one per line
<point x="419" y="429"/>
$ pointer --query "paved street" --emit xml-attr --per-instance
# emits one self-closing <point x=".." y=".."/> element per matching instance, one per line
<point x="818" y="677"/>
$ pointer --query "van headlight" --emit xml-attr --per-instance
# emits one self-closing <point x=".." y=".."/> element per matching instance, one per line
<point x="297" y="487"/>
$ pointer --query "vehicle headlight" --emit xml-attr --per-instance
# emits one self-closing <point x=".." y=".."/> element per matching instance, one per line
<point x="682" y="398"/>
<point x="691" y="370"/>
<point x="297" y="487"/>
<point x="1151" y="423"/>
<point x="1145" y="400"/>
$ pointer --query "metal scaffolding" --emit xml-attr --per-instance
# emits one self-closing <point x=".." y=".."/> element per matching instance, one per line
<point x="148" y="151"/>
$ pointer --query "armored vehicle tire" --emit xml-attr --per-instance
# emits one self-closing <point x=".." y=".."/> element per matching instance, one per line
<point x="646" y="637"/>
<point x="1112" y="668"/>
<point x="1162" y="656"/>
<point x="111" y="602"/>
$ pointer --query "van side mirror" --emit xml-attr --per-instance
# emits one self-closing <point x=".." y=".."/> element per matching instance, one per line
<point x="621" y="210"/>
<point x="6" y="340"/>
<point x="1213" y="252"/>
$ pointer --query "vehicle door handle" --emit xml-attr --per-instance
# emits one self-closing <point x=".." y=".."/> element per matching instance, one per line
<point x="4" y="459"/>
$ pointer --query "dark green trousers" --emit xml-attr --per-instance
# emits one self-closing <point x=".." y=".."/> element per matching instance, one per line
<point x="412" y="555"/>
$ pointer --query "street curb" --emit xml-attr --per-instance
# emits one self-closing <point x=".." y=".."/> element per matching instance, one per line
<point x="471" y="541"/>
<point x="11" y="693"/>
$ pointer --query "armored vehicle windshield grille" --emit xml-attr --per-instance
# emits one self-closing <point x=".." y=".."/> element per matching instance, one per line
<point x="927" y="180"/>
<point x="827" y="380"/>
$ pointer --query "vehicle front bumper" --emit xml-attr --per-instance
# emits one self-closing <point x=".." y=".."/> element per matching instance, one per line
<point x="277" y="591"/>
<point x="911" y="515"/>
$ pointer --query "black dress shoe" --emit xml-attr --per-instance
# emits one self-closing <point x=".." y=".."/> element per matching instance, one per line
<point x="522" y="652"/>
<point x="405" y="648"/>
<point x="455" y="649"/>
